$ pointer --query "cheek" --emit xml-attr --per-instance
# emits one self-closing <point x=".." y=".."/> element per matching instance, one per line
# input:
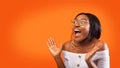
<point x="87" y="28"/>
<point x="86" y="31"/>
<point x="85" y="34"/>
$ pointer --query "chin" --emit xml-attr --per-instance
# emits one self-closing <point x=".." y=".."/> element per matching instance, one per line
<point x="78" y="39"/>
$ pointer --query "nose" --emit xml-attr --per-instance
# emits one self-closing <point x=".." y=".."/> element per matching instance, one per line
<point x="77" y="24"/>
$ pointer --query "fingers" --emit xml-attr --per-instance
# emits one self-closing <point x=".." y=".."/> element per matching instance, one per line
<point x="53" y="47"/>
<point x="51" y="41"/>
<point x="51" y="44"/>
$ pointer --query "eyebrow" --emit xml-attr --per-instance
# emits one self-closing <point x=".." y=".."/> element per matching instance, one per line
<point x="84" y="19"/>
<point x="80" y="19"/>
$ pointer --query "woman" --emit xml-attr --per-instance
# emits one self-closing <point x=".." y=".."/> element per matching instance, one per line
<point x="85" y="50"/>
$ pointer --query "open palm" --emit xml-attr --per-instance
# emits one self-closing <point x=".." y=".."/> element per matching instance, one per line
<point x="53" y="47"/>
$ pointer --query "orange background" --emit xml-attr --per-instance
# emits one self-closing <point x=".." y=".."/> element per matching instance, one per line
<point x="26" y="25"/>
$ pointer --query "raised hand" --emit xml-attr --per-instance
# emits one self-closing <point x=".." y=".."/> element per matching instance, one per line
<point x="53" y="47"/>
<point x="97" y="47"/>
<point x="90" y="54"/>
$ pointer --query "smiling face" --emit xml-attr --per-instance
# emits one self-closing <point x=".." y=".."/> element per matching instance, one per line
<point x="81" y="27"/>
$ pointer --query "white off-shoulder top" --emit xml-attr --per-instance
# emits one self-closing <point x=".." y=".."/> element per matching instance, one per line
<point x="77" y="60"/>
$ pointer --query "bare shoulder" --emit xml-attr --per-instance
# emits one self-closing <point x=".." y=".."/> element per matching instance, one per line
<point x="102" y="45"/>
<point x="66" y="45"/>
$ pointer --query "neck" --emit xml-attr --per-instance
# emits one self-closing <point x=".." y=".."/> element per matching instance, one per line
<point x="83" y="43"/>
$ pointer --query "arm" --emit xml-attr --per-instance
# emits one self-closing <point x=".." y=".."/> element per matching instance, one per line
<point x="99" y="46"/>
<point x="59" y="62"/>
<point x="90" y="64"/>
<point x="55" y="52"/>
<point x="104" y="60"/>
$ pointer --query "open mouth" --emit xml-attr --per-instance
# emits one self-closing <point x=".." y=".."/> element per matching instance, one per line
<point x="76" y="31"/>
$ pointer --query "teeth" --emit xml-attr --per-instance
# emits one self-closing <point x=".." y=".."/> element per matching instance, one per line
<point x="76" y="30"/>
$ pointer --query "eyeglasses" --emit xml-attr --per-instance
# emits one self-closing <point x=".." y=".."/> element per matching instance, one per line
<point x="81" y="22"/>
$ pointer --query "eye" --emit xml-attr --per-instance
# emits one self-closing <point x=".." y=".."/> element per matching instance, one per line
<point x="82" y="22"/>
<point x="75" y="22"/>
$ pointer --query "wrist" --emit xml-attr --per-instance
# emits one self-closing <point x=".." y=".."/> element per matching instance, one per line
<point x="57" y="56"/>
<point x="89" y="64"/>
<point x="87" y="61"/>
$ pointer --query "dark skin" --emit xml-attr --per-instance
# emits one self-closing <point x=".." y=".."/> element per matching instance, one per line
<point x="55" y="52"/>
<point x="90" y="50"/>
<point x="79" y="44"/>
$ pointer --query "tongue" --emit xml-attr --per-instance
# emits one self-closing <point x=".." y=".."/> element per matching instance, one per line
<point x="77" y="34"/>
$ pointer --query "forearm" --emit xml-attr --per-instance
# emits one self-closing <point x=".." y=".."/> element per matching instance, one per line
<point x="59" y="62"/>
<point x="91" y="64"/>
